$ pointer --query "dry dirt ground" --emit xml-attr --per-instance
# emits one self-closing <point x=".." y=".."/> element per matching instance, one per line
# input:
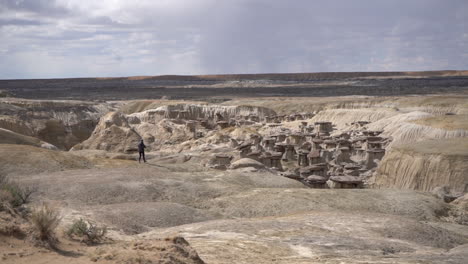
<point x="239" y="216"/>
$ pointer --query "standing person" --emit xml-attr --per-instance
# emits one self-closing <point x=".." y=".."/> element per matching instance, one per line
<point x="141" y="151"/>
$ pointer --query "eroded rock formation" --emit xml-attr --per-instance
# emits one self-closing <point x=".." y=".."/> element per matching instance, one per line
<point x="425" y="165"/>
<point x="59" y="123"/>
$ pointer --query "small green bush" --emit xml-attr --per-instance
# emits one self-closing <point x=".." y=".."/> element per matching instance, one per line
<point x="6" y="199"/>
<point x="45" y="220"/>
<point x="19" y="194"/>
<point x="87" y="230"/>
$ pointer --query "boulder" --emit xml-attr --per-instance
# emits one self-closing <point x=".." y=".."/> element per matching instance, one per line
<point x="246" y="162"/>
<point x="445" y="193"/>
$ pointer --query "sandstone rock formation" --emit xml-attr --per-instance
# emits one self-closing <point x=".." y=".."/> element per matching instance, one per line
<point x="425" y="165"/>
<point x="60" y="123"/>
<point x="246" y="163"/>
<point x="163" y="126"/>
<point x="113" y="133"/>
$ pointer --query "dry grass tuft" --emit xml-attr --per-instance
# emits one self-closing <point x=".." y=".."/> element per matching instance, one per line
<point x="45" y="220"/>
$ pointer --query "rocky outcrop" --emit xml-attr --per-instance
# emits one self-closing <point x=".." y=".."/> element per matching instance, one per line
<point x="212" y="113"/>
<point x="246" y="163"/>
<point x="165" y="126"/>
<point x="60" y="123"/>
<point x="426" y="165"/>
<point x="113" y="133"/>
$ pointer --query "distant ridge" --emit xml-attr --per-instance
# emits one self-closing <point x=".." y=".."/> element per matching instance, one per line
<point x="298" y="76"/>
<point x="279" y="76"/>
<point x="200" y="87"/>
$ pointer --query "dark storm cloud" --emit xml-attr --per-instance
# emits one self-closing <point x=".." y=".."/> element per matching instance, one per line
<point x="326" y="35"/>
<point x="109" y="38"/>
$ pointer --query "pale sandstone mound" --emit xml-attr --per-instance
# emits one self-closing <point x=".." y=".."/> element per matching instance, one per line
<point x="434" y="104"/>
<point x="23" y="159"/>
<point x="447" y="122"/>
<point x="406" y="127"/>
<point x="61" y="123"/>
<point x="246" y="163"/>
<point x="10" y="137"/>
<point x="113" y="133"/>
<point x="116" y="134"/>
<point x="425" y="165"/>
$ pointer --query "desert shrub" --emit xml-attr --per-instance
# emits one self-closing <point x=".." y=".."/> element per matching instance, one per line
<point x="87" y="230"/>
<point x="3" y="178"/>
<point x="45" y="220"/>
<point x="6" y="199"/>
<point x="19" y="194"/>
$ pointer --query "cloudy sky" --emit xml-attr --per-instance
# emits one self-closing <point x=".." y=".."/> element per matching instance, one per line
<point x="80" y="38"/>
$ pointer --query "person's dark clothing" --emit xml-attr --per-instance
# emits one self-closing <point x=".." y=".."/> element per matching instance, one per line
<point x="142" y="154"/>
<point x="141" y="147"/>
<point x="141" y="151"/>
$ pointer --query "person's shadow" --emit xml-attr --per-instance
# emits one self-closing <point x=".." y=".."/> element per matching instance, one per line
<point x="67" y="253"/>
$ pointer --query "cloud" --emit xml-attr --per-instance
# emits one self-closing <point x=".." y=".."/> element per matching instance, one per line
<point x="70" y="38"/>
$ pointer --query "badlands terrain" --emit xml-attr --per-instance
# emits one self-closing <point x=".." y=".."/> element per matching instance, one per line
<point x="270" y="168"/>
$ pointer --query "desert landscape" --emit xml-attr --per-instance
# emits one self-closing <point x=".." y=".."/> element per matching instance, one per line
<point x="257" y="168"/>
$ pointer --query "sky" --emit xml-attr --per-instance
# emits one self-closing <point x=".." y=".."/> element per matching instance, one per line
<point x="109" y="38"/>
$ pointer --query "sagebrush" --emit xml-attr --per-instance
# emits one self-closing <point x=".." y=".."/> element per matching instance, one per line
<point x="87" y="230"/>
<point x="13" y="193"/>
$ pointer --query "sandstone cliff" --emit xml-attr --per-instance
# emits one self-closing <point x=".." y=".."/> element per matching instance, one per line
<point x="60" y="123"/>
<point x="425" y="165"/>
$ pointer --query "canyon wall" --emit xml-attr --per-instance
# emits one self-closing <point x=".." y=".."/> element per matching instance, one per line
<point x="425" y="165"/>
